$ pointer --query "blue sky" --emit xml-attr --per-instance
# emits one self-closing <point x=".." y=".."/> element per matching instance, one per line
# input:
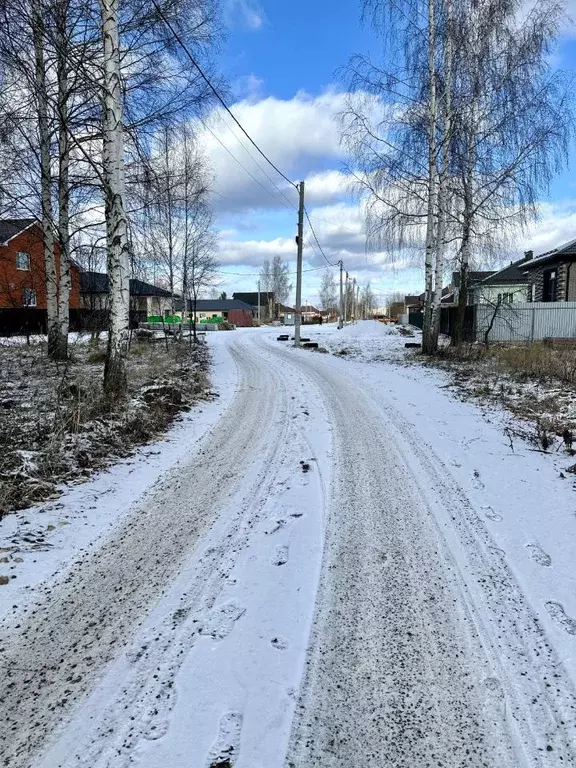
<point x="281" y="61"/>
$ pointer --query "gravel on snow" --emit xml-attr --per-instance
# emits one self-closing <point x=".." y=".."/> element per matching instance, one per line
<point x="183" y="639"/>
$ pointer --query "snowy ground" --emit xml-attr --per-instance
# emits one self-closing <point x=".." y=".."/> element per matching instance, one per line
<point x="338" y="564"/>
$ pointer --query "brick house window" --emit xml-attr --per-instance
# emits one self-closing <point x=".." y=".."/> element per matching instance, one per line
<point x="505" y="298"/>
<point x="550" y="284"/>
<point x="23" y="261"/>
<point x="28" y="297"/>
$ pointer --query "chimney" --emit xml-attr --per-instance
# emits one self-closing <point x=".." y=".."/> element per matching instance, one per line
<point x="528" y="255"/>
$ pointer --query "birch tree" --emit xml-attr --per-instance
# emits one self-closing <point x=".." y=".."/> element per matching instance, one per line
<point x="328" y="291"/>
<point x="466" y="84"/>
<point x="115" y="373"/>
<point x="44" y="138"/>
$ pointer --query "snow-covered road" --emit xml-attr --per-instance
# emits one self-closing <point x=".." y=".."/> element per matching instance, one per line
<point x="322" y="582"/>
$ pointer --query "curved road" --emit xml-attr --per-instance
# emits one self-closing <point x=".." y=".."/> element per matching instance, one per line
<point x="423" y="651"/>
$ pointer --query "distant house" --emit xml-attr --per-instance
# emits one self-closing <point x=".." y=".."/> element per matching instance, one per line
<point x="146" y="300"/>
<point x="506" y="286"/>
<point x="553" y="274"/>
<point x="230" y="310"/>
<point x="451" y="294"/>
<point x="23" y="276"/>
<point x="268" y="305"/>
<point x="285" y="314"/>
<point x="310" y="314"/>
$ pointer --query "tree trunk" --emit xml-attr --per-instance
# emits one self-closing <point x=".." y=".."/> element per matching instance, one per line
<point x="458" y="334"/>
<point x="115" y="370"/>
<point x="430" y="222"/>
<point x="64" y="284"/>
<point x="45" y="179"/>
<point x="468" y="184"/>
<point x="443" y="200"/>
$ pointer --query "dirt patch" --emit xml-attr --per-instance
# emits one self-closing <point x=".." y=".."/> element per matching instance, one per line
<point x="56" y="426"/>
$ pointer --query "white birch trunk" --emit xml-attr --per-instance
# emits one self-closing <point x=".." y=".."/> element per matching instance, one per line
<point x="45" y="178"/>
<point x="431" y="212"/>
<point x="443" y="183"/>
<point x="115" y="370"/>
<point x="64" y="282"/>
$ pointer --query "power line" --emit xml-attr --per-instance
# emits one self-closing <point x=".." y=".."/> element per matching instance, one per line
<point x="255" y="161"/>
<point x="215" y="92"/>
<point x="244" y="131"/>
<point x="239" y="163"/>
<point x="316" y="239"/>
<point x="257" y="274"/>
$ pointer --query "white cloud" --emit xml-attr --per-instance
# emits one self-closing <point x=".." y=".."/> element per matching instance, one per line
<point x="252" y="253"/>
<point x="296" y="134"/>
<point x="248" y="87"/>
<point x="244" y="13"/>
<point x="555" y="226"/>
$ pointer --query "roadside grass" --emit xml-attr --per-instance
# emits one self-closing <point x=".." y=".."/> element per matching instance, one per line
<point x="56" y="425"/>
<point x="535" y="382"/>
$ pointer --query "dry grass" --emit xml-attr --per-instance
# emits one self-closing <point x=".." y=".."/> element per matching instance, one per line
<point x="533" y="361"/>
<point x="56" y="425"/>
<point x="536" y="383"/>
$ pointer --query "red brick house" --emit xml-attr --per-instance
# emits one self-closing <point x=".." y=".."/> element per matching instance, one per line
<point x="22" y="269"/>
<point x="23" y="278"/>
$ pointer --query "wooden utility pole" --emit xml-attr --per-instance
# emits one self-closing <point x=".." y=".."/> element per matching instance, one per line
<point x="258" y="302"/>
<point x="354" y="300"/>
<point x="341" y="318"/>
<point x="299" y="242"/>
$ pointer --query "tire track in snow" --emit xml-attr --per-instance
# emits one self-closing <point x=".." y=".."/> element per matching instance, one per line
<point x="51" y="661"/>
<point x="436" y="665"/>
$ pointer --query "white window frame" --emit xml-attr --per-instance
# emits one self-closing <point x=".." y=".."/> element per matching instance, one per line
<point x="27" y="267"/>
<point x="31" y="292"/>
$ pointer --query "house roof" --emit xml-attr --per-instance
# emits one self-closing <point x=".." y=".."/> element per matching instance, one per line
<point x="309" y="309"/>
<point x="512" y="274"/>
<point x="9" y="228"/>
<point x="473" y="277"/>
<point x="252" y="298"/>
<point x="283" y="308"/>
<point x="409" y="300"/>
<point x="568" y="248"/>
<point x="97" y="282"/>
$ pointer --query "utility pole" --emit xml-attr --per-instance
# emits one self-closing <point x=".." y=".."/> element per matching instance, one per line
<point x="357" y="300"/>
<point x="341" y="318"/>
<point x="258" y="302"/>
<point x="354" y="300"/>
<point x="346" y="297"/>
<point x="299" y="243"/>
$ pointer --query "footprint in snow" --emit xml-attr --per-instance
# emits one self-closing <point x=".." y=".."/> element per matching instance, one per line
<point x="560" y="617"/>
<point x="538" y="555"/>
<point x="226" y="748"/>
<point x="477" y="481"/>
<point x="492" y="515"/>
<point x="281" y="555"/>
<point x="221" y="620"/>
<point x="494" y="699"/>
<point x="279" y="643"/>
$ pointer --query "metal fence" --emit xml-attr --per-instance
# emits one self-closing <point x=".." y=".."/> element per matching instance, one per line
<point x="526" y="321"/>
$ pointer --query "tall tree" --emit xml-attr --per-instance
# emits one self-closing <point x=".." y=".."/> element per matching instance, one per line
<point x="115" y="373"/>
<point x="275" y="278"/>
<point x="328" y="291"/>
<point x="467" y="85"/>
<point x="45" y="139"/>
